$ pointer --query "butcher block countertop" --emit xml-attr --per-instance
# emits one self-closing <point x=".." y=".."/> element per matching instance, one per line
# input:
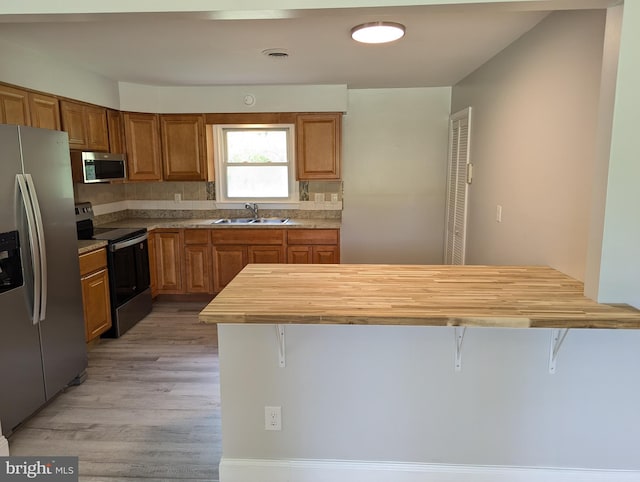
<point x="491" y="296"/>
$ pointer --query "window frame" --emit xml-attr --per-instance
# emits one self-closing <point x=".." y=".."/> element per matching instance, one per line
<point x="221" y="164"/>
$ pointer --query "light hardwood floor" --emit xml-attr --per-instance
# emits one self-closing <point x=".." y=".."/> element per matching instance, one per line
<point x="149" y="409"/>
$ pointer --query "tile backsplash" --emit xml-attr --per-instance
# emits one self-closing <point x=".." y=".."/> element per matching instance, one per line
<point x="188" y="191"/>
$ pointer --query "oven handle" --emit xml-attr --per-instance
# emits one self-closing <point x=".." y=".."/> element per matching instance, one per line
<point x="129" y="242"/>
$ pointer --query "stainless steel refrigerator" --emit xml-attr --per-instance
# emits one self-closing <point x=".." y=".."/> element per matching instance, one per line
<point x="42" y="341"/>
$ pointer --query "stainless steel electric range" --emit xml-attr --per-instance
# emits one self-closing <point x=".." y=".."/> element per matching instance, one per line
<point x="128" y="265"/>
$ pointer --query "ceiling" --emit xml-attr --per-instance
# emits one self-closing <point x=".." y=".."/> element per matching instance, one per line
<point x="441" y="46"/>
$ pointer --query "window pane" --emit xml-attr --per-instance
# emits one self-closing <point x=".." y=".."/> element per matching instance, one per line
<point x="257" y="182"/>
<point x="256" y="146"/>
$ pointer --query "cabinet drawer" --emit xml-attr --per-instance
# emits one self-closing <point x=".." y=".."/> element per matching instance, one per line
<point x="312" y="236"/>
<point x="247" y="236"/>
<point x="93" y="261"/>
<point x="196" y="236"/>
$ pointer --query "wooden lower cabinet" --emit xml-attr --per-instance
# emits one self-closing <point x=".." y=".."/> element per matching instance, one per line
<point x="317" y="246"/>
<point x="233" y="249"/>
<point x="265" y="254"/>
<point x="168" y="249"/>
<point x="204" y="261"/>
<point x="95" y="293"/>
<point x="197" y="261"/>
<point x="313" y="255"/>
<point x="228" y="261"/>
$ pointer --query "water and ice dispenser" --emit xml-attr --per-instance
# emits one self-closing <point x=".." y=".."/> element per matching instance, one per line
<point x="10" y="264"/>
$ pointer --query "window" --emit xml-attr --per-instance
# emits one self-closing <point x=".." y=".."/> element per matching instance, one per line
<point x="255" y="163"/>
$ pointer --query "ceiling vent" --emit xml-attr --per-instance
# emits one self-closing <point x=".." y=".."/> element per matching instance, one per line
<point x="276" y="53"/>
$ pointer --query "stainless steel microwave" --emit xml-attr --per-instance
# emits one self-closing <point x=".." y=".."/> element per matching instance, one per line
<point x="89" y="167"/>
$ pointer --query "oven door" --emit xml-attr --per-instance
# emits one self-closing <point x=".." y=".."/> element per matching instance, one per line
<point x="129" y="268"/>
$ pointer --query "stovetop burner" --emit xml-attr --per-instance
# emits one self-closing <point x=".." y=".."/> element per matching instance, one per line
<point x="84" y="225"/>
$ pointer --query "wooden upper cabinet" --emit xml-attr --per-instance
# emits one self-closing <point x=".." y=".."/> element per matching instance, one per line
<point x="14" y="106"/>
<point x="184" y="148"/>
<point x="143" y="147"/>
<point x="45" y="111"/>
<point x="115" y="126"/>
<point x="73" y="122"/>
<point x="97" y="130"/>
<point x="86" y="125"/>
<point x="318" y="146"/>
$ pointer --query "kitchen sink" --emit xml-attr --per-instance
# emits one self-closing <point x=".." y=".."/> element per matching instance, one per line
<point x="233" y="221"/>
<point x="271" y="220"/>
<point x="251" y="221"/>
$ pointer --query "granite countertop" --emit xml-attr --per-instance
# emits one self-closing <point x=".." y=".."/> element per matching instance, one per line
<point x="419" y="295"/>
<point x="88" y="245"/>
<point x="180" y="223"/>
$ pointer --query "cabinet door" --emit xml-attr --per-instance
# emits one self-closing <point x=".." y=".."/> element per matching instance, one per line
<point x="115" y="126"/>
<point x="45" y="111"/>
<point x="228" y="261"/>
<point x="73" y="123"/>
<point x="326" y="255"/>
<point x="198" y="269"/>
<point x="14" y="106"/>
<point x="299" y="255"/>
<point x="265" y="254"/>
<point x="142" y="136"/>
<point x="97" y="308"/>
<point x="318" y="145"/>
<point x="97" y="130"/>
<point x="183" y="147"/>
<point x="168" y="249"/>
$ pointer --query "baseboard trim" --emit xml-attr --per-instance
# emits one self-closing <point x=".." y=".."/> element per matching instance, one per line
<point x="261" y="470"/>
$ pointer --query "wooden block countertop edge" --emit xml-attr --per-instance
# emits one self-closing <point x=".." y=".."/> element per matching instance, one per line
<point x="417" y="295"/>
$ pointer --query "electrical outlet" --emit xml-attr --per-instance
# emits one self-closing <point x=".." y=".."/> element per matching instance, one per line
<point x="334" y="197"/>
<point x="272" y="418"/>
<point x="177" y="197"/>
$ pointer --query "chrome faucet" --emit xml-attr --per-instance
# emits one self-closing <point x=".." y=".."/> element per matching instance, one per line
<point x="253" y="207"/>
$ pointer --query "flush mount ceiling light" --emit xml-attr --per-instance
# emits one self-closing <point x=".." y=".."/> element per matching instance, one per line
<point x="377" y="32"/>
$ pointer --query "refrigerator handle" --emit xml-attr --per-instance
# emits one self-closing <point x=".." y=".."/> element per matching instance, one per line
<point x="35" y="252"/>
<point x="43" y="248"/>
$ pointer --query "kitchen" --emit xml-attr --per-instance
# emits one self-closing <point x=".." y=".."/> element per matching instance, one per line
<point x="401" y="111"/>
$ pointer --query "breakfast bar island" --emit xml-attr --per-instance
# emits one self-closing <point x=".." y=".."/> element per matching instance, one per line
<point x="424" y="373"/>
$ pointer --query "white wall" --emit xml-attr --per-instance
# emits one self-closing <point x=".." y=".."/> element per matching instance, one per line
<point x="385" y="393"/>
<point x="394" y="164"/>
<point x="33" y="70"/>
<point x="219" y="99"/>
<point x="535" y="108"/>
<point x="619" y="280"/>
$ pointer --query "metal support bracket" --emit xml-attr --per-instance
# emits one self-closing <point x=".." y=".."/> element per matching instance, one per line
<point x="459" y="335"/>
<point x="557" y="338"/>
<point x="281" y="346"/>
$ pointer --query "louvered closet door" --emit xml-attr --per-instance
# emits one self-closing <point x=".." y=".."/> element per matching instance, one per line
<point x="458" y="179"/>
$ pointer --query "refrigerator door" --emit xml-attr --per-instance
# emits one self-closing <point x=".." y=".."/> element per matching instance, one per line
<point x="21" y="375"/>
<point x="45" y="155"/>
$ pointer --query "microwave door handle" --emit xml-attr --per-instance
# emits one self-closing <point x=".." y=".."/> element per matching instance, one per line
<point x="43" y="249"/>
<point x="35" y="252"/>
